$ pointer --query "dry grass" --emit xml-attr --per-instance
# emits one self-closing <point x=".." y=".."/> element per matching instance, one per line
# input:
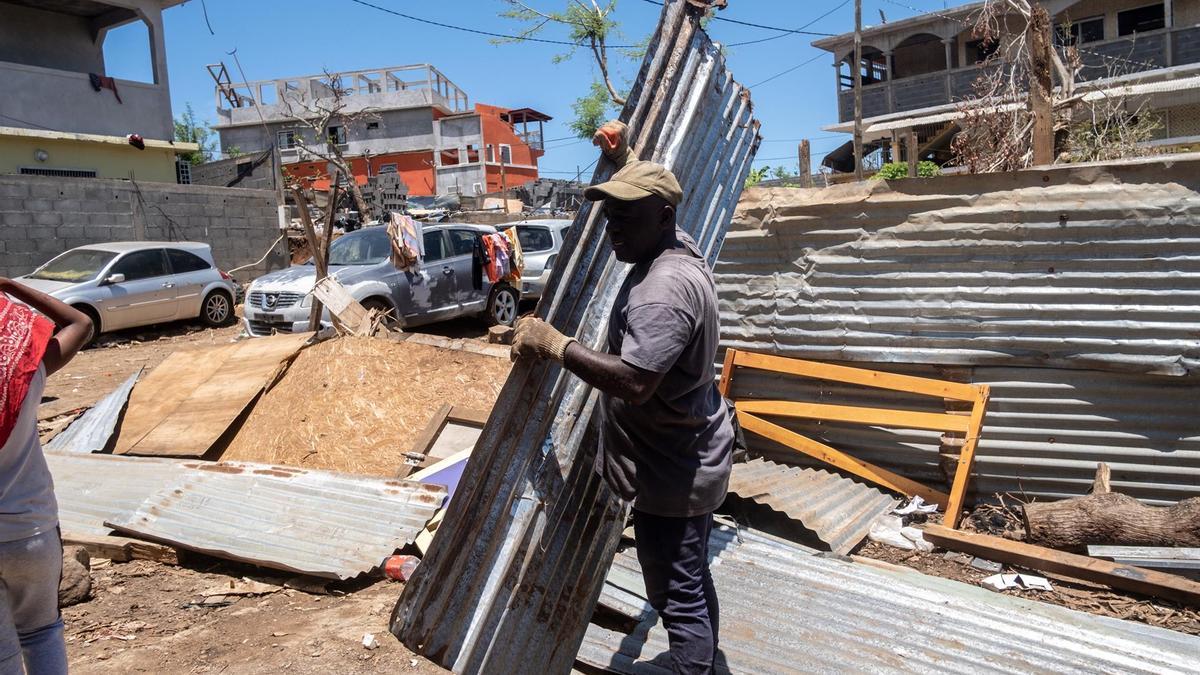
<point x="356" y="404"/>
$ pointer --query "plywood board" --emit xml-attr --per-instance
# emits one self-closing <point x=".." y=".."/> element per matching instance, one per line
<point x="185" y="404"/>
<point x="358" y="405"/>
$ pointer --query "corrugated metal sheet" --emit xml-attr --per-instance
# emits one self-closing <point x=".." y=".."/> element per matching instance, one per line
<point x="312" y="522"/>
<point x="785" y="610"/>
<point x="90" y="433"/>
<point x="532" y="528"/>
<point x="838" y="510"/>
<point x="1073" y="292"/>
<point x="315" y="522"/>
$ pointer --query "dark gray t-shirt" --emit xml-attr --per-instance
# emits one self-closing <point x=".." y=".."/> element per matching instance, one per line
<point x="671" y="455"/>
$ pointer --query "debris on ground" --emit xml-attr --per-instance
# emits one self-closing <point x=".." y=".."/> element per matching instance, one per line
<point x="890" y="530"/>
<point x="1025" y="582"/>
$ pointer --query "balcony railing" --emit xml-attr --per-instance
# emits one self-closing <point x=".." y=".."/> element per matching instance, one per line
<point x="1110" y="58"/>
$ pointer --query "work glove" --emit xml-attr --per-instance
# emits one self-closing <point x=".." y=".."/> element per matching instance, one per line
<point x="535" y="338"/>
<point x="613" y="140"/>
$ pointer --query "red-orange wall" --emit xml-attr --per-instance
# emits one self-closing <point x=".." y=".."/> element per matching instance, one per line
<point x="497" y="132"/>
<point x="415" y="169"/>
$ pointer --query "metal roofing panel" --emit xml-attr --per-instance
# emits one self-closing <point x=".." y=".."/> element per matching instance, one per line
<point x="312" y="522"/>
<point x="532" y="527"/>
<point x="786" y="610"/>
<point x="90" y="433"/>
<point x="839" y="510"/>
<point x="90" y="487"/>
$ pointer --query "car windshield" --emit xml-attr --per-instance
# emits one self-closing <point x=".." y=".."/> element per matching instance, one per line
<point x="75" y="266"/>
<point x="364" y="247"/>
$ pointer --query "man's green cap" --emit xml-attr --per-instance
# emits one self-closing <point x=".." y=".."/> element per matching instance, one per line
<point x="636" y="180"/>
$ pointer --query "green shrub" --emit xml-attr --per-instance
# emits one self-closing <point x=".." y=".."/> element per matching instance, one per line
<point x="894" y="170"/>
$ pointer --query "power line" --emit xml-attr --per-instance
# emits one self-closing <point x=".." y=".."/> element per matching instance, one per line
<point x="794" y="31"/>
<point x="32" y="124"/>
<point x="476" y="31"/>
<point x="781" y="74"/>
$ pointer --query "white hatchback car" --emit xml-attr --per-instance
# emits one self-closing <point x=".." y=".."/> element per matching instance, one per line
<point x="138" y="283"/>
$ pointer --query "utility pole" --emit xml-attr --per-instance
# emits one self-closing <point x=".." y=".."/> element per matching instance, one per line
<point x="503" y="180"/>
<point x="858" y="131"/>
<point x="805" y="164"/>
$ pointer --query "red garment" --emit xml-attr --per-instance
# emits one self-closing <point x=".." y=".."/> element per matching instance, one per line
<point x="24" y="335"/>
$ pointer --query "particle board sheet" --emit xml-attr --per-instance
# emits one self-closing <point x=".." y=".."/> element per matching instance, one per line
<point x="838" y="510"/>
<point x="514" y="572"/>
<point x="784" y="609"/>
<point x="311" y="522"/>
<point x="188" y="402"/>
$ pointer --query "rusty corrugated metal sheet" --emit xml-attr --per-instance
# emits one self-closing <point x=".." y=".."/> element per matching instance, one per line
<point x="784" y="610"/>
<point x="313" y="522"/>
<point x="532" y="528"/>
<point x="838" y="510"/>
<point x="1074" y="293"/>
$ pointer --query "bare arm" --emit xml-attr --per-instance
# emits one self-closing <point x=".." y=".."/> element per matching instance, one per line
<point x="73" y="327"/>
<point x="611" y="375"/>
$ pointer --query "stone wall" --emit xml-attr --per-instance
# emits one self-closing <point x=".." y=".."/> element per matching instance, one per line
<point x="42" y="216"/>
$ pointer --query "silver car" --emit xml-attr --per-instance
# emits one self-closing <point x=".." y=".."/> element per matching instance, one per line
<point x="541" y="241"/>
<point x="138" y="283"/>
<point x="444" y="287"/>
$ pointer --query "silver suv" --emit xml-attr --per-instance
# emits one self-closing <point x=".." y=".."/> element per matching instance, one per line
<point x="443" y="288"/>
<point x="138" y="283"/>
<point x="541" y="241"/>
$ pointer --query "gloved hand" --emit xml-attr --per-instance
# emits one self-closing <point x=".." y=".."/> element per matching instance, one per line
<point x="537" y="339"/>
<point x="613" y="140"/>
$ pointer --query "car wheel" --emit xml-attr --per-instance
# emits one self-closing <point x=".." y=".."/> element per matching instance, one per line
<point x="217" y="309"/>
<point x="382" y="307"/>
<point x="502" y="306"/>
<point x="95" y="317"/>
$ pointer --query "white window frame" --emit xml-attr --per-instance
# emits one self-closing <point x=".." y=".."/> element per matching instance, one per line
<point x="491" y="153"/>
<point x="388" y="168"/>
<point x="289" y="135"/>
<point x="503" y="148"/>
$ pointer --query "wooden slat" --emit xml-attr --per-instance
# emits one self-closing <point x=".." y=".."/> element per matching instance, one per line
<point x="471" y="416"/>
<point x="866" y="378"/>
<point x="121" y="549"/>
<point x="883" y="417"/>
<point x="1124" y="577"/>
<point x="841" y="460"/>
<point x="186" y="403"/>
<point x="424" y="442"/>
<point x="966" y="460"/>
<point x="726" y="382"/>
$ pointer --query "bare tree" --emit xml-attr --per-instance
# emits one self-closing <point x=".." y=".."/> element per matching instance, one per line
<point x="1027" y="96"/>
<point x="335" y="107"/>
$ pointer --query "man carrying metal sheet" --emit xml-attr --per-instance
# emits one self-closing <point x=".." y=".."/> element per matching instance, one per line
<point x="666" y="437"/>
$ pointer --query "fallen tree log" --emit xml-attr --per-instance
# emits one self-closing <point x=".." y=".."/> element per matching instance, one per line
<point x="1113" y="519"/>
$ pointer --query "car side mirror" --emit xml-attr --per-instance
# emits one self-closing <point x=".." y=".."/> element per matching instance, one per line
<point x="114" y="278"/>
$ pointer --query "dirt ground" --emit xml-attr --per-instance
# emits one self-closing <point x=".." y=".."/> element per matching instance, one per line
<point x="146" y="617"/>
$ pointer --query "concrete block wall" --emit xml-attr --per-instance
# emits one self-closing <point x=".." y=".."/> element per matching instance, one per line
<point x="42" y="216"/>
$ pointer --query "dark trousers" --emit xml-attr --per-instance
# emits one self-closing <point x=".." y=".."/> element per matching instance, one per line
<point x="673" y="553"/>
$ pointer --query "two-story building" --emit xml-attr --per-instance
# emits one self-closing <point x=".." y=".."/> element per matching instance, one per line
<point x="915" y="71"/>
<point x="421" y="126"/>
<point x="60" y="114"/>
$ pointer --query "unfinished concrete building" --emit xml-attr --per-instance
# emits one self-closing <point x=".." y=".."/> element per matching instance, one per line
<point x="421" y="126"/>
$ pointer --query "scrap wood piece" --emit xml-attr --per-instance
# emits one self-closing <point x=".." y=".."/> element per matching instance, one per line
<point x="841" y="460"/>
<point x="1111" y="518"/>
<point x="324" y="524"/>
<point x="1124" y="577"/>
<point x="92" y="431"/>
<point x="188" y="402"/>
<point x="349" y="313"/>
<point x="970" y="427"/>
<point x="121" y="549"/>
<point x="422" y="453"/>
<point x="839" y="510"/>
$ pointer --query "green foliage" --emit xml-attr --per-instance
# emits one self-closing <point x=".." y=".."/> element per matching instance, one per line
<point x="756" y="176"/>
<point x="591" y="111"/>
<point x="896" y="170"/>
<point x="188" y="129"/>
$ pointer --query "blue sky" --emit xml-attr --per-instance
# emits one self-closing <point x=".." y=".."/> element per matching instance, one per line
<point x="278" y="38"/>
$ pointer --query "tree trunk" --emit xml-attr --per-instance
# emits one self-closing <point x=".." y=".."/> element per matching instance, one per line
<point x="1041" y="85"/>
<point x="1113" y="519"/>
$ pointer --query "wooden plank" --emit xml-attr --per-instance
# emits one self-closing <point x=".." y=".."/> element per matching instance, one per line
<point x="726" y="382"/>
<point x="472" y="416"/>
<point x="188" y="402"/>
<point x="1124" y="577"/>
<point x="883" y="417"/>
<point x="841" y="460"/>
<point x="860" y="376"/>
<point x="424" y="442"/>
<point x="122" y="549"/>
<point x="966" y="460"/>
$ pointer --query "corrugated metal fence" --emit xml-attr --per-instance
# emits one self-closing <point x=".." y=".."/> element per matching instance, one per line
<point x="1073" y="292"/>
